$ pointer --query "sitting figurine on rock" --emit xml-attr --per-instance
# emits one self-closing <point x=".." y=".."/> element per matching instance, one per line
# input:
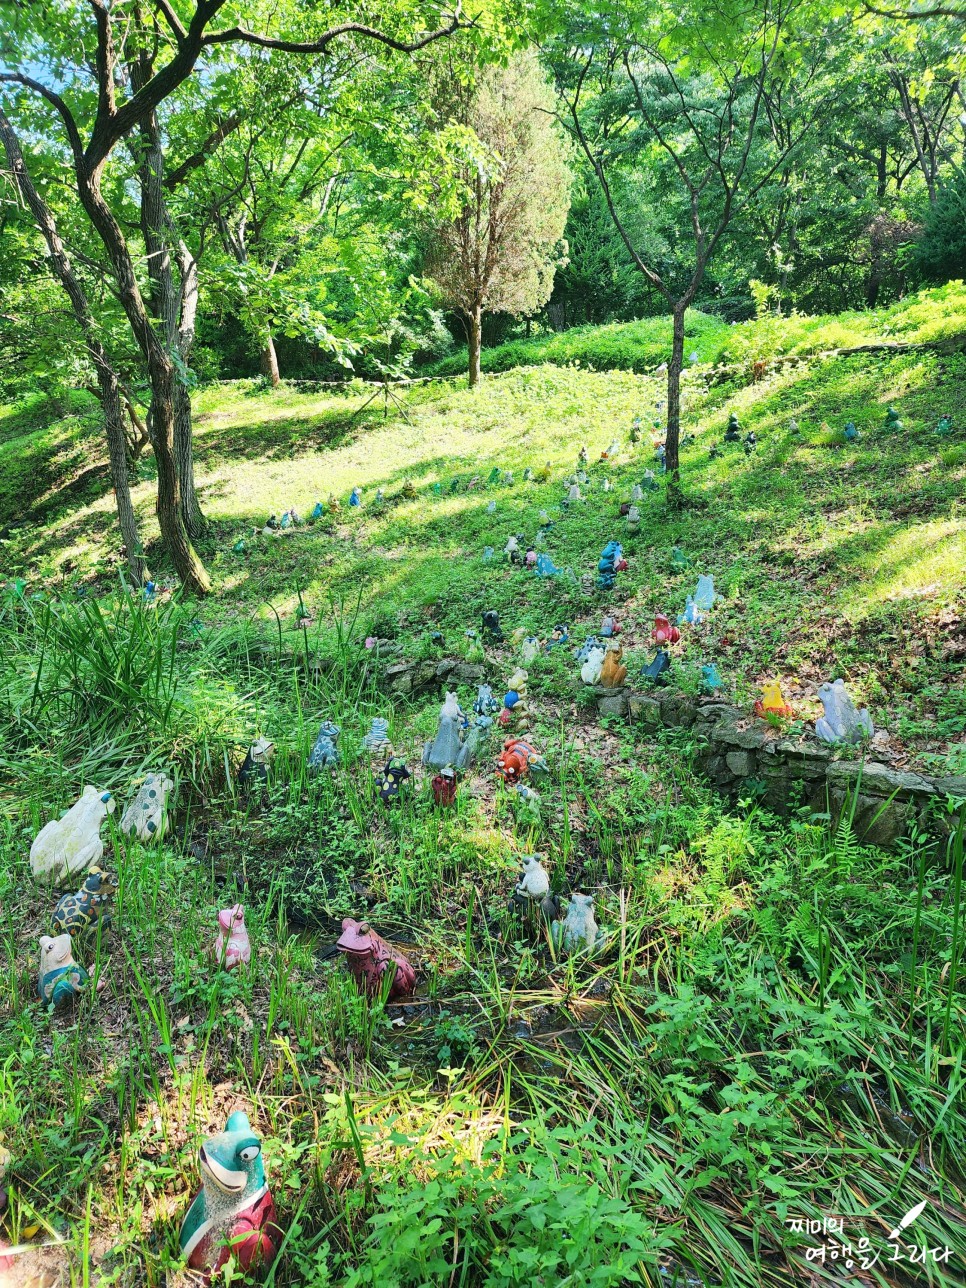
<point x="711" y="681"/>
<point x="591" y="669"/>
<point x="72" y="842"/>
<point x="772" y="701"/>
<point x="371" y="960"/>
<point x="656" y="668"/>
<point x="232" y="946"/>
<point x="578" y="932"/>
<point x="610" y="627"/>
<point x="145" y="816"/>
<point x="90" y="907"/>
<point x="61" y="979"/>
<point x="842" y="721"/>
<point x="613" y="673"/>
<point x="233" y="1215"/>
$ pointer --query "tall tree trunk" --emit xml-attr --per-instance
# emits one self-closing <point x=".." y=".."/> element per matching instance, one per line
<point x="674" y="369"/>
<point x="174" y="305"/>
<point x="184" y="447"/>
<point x="475" y="317"/>
<point x="161" y="375"/>
<point x="269" y="362"/>
<point x="107" y="381"/>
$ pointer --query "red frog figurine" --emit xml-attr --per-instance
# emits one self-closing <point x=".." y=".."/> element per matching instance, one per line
<point x="369" y="957"/>
<point x="664" y="632"/>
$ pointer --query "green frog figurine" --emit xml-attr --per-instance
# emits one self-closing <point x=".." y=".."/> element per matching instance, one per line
<point x="233" y="1214"/>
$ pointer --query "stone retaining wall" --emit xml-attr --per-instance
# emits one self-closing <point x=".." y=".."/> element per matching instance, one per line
<point x="734" y="748"/>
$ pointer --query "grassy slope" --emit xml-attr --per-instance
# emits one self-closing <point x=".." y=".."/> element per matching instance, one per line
<point x="639" y="346"/>
<point x="767" y="1035"/>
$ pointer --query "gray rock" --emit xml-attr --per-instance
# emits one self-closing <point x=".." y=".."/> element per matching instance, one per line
<point x="646" y="710"/>
<point x="749" y="739"/>
<point x="878" y="780"/>
<point x="741" y="763"/>
<point x="615" y="704"/>
<point x="679" y="710"/>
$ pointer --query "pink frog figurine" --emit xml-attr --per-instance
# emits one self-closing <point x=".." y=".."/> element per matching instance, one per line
<point x="370" y="957"/>
<point x="232" y="945"/>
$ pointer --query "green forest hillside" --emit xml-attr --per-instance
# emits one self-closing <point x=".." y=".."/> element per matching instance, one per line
<point x="482" y="644"/>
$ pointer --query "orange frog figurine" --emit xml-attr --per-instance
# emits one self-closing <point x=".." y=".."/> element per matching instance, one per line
<point x="772" y="701"/>
<point x="613" y="673"/>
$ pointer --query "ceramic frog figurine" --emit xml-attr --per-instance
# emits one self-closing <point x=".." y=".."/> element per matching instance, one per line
<point x="842" y="721"/>
<point x="655" y="669"/>
<point x="534" y="888"/>
<point x="325" y="753"/>
<point x="257" y="760"/>
<point x="145" y="816"/>
<point x="578" y="932"/>
<point x="590" y="671"/>
<point x="613" y="673"/>
<point x="772" y="701"/>
<point x="377" y="739"/>
<point x="233" y="1214"/>
<point x="72" y="843"/>
<point x="633" y="518"/>
<point x="443" y="786"/>
<point x="61" y="979"/>
<point x="232" y="946"/>
<point x="369" y="958"/>
<point x="517" y="759"/>
<point x="90" y="907"/>
<point x="390" y="780"/>
<point x="492" y="631"/>
<point x="534" y="882"/>
<point x="664" y="632"/>
<point x="485" y="704"/>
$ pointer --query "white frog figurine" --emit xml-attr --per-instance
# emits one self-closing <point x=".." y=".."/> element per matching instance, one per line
<point x="842" y="721"/>
<point x="145" y="816"/>
<point x="591" y="669"/>
<point x="578" y="932"/>
<point x="534" y="882"/>
<point x="72" y="843"/>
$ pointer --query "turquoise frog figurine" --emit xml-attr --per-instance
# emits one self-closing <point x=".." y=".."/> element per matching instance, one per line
<point x="233" y="1214"/>
<point x="90" y="907"/>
